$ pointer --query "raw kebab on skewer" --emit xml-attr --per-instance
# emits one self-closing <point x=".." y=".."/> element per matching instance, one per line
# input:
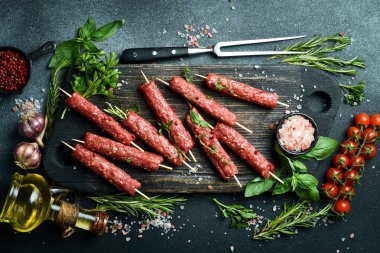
<point x="149" y="134"/>
<point x="241" y="91"/>
<point x="240" y="146"/>
<point x="215" y="152"/>
<point x="135" y="157"/>
<point x="167" y="116"/>
<point x="196" y="97"/>
<point x="100" y="118"/>
<point x="106" y="169"/>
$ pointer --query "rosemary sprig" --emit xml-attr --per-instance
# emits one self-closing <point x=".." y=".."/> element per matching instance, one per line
<point x="317" y="48"/>
<point x="117" y="112"/>
<point x="354" y="94"/>
<point x="297" y="215"/>
<point x="54" y="93"/>
<point x="136" y="205"/>
<point x="238" y="214"/>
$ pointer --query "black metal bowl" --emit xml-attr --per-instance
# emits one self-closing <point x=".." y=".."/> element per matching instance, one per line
<point x="48" y="47"/>
<point x="296" y="153"/>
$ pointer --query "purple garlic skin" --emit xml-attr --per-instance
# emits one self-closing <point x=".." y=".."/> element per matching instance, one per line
<point x="31" y="126"/>
<point x="27" y="155"/>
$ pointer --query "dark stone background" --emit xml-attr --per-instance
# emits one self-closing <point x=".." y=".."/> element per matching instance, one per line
<point x="28" y="24"/>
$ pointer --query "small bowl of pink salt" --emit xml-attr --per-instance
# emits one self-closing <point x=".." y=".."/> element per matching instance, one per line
<point x="296" y="134"/>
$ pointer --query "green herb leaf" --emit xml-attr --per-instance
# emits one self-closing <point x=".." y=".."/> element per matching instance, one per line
<point x="258" y="186"/>
<point x="285" y="161"/>
<point x="90" y="47"/>
<point x="238" y="214"/>
<point x="218" y="85"/>
<point x="294" y="182"/>
<point x="299" y="166"/>
<point x="107" y="31"/>
<point x="354" y="94"/>
<point x="311" y="194"/>
<point x="66" y="51"/>
<point x="135" y="108"/>
<point x="187" y="75"/>
<point x="324" y="148"/>
<point x="196" y="119"/>
<point x="86" y="31"/>
<point x="282" y="188"/>
<point x="306" y="181"/>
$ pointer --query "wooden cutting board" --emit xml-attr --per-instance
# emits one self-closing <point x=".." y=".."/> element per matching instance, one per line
<point x="307" y="90"/>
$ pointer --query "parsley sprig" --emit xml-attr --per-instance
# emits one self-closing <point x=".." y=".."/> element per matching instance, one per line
<point x="197" y="120"/>
<point x="354" y="94"/>
<point x="239" y="215"/>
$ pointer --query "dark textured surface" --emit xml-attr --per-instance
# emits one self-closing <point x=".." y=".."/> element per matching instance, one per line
<point x="28" y="24"/>
<point x="285" y="80"/>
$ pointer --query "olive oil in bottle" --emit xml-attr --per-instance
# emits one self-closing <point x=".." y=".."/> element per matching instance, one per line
<point x="29" y="202"/>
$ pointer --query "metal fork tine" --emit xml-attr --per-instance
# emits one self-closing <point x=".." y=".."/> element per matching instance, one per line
<point x="257" y="41"/>
<point x="219" y="45"/>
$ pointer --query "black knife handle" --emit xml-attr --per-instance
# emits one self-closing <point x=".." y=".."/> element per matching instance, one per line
<point x="135" y="55"/>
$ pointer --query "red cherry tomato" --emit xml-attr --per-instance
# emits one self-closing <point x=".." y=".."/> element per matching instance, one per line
<point x="342" y="207"/>
<point x="370" y="135"/>
<point x="349" y="148"/>
<point x="340" y="160"/>
<point x="375" y="121"/>
<point x="330" y="190"/>
<point x="351" y="176"/>
<point x="346" y="191"/>
<point x="334" y="175"/>
<point x="358" y="163"/>
<point x="362" y="119"/>
<point x="368" y="151"/>
<point x="355" y="133"/>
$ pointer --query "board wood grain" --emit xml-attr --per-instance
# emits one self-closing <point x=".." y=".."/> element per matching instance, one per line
<point x="307" y="90"/>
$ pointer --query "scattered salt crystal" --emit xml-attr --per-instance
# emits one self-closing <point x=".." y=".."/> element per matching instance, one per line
<point x="227" y="19"/>
<point x="240" y="75"/>
<point x="263" y="72"/>
<point x="303" y="90"/>
<point x="164" y="31"/>
<point x="189" y="241"/>
<point x="274" y="208"/>
<point x="343" y="239"/>
<point x="233" y="7"/>
<point x="232" y="248"/>
<point x="287" y="111"/>
<point x="352" y="235"/>
<point x="315" y="86"/>
<point x="43" y="89"/>
<point x="299" y="107"/>
<point x="182" y="207"/>
<point x="305" y="70"/>
<point x="128" y="239"/>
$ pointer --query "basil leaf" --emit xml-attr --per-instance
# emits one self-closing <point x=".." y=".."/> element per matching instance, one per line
<point x="107" y="31"/>
<point x="285" y="161"/>
<point x="308" y="194"/>
<point x="282" y="188"/>
<point x="299" y="166"/>
<point x="203" y="124"/>
<point x="90" y="47"/>
<point x="194" y="117"/>
<point x="258" y="186"/>
<point x="306" y="181"/>
<point x="68" y="50"/>
<point x="323" y="149"/>
<point x="294" y="183"/>
<point x="86" y="31"/>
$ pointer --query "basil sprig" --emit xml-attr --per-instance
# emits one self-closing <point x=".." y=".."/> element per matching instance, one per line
<point x="197" y="120"/>
<point x="298" y="180"/>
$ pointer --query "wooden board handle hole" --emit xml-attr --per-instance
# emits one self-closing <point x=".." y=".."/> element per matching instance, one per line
<point x="319" y="101"/>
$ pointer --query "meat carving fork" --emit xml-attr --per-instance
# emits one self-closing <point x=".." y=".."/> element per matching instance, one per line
<point x="135" y="55"/>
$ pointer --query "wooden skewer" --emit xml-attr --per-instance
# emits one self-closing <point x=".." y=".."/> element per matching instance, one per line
<point x="65" y="92"/>
<point x="204" y="77"/>
<point x="162" y="81"/>
<point x="160" y="165"/>
<point x="192" y="156"/>
<point x="146" y="79"/>
<point x="136" y="190"/>
<point x="283" y="104"/>
<point x="237" y="181"/>
<point x="246" y="129"/>
<point x="275" y="177"/>
<point x="191" y="168"/>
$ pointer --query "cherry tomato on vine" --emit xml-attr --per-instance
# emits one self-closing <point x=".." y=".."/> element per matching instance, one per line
<point x="368" y="151"/>
<point x="342" y="206"/>
<point x="340" y="160"/>
<point x="349" y="147"/>
<point x="346" y="191"/>
<point x="362" y="119"/>
<point x="330" y="190"/>
<point x="358" y="163"/>
<point x="370" y="135"/>
<point x="375" y="121"/>
<point x="351" y="176"/>
<point x="334" y="175"/>
<point x="355" y="133"/>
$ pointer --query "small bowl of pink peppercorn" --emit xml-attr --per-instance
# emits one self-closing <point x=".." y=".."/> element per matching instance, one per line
<point x="296" y="134"/>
